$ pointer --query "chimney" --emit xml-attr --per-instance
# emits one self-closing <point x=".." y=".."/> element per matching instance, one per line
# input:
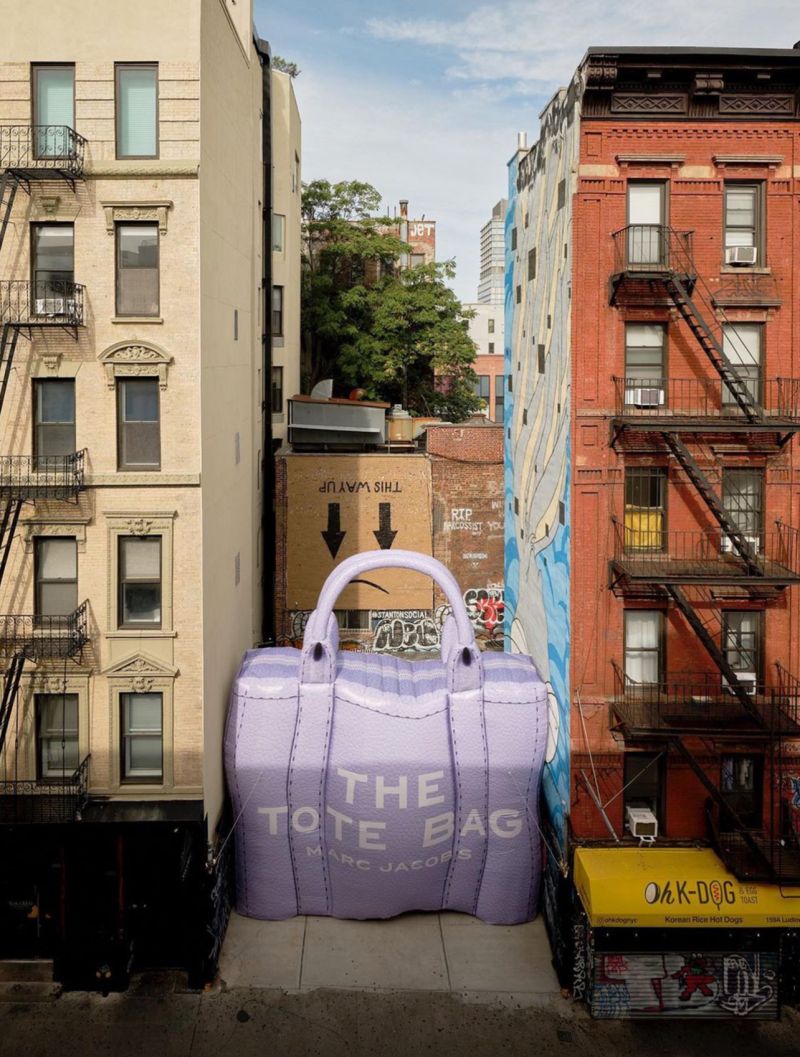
<point x="403" y="207"/>
<point x="522" y="141"/>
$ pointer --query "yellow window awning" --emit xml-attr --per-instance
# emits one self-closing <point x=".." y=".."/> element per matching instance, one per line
<point x="678" y="887"/>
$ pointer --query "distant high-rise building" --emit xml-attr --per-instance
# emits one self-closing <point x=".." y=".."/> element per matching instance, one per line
<point x="491" y="286"/>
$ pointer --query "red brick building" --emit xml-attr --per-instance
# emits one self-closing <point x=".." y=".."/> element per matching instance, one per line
<point x="653" y="487"/>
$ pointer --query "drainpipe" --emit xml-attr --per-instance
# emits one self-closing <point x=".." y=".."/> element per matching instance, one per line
<point x="267" y="460"/>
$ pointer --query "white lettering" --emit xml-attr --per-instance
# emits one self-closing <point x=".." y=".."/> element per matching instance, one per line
<point x="368" y="835"/>
<point x="474" y="824"/>
<point x="438" y="828"/>
<point x="427" y="785"/>
<point x="351" y="778"/>
<point x="309" y="827"/>
<point x="382" y="791"/>
<point x="338" y="821"/>
<point x="272" y="815"/>
<point x="512" y="829"/>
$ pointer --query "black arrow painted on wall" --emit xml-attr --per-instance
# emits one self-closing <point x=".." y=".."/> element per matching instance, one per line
<point x="333" y="536"/>
<point x="384" y="535"/>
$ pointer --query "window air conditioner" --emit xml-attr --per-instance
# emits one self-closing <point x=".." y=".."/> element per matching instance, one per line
<point x="741" y="255"/>
<point x="55" y="306"/>
<point x="645" y="397"/>
<point x="727" y="546"/>
<point x="746" y="680"/>
<point x="641" y="822"/>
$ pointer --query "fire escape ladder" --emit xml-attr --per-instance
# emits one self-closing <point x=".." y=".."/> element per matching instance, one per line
<point x="716" y="654"/>
<point x="8" y="191"/>
<point x="723" y="805"/>
<point x="8" y="525"/>
<point x="711" y="347"/>
<point x="10" y="687"/>
<point x="713" y="502"/>
<point x="8" y="344"/>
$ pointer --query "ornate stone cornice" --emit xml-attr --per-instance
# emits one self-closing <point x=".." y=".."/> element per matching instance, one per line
<point x="156" y="211"/>
<point x="135" y="358"/>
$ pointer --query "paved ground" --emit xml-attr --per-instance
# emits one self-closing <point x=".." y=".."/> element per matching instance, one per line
<point x="420" y="985"/>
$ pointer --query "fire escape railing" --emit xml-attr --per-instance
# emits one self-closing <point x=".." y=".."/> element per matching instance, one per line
<point x="42" y="149"/>
<point x="41" y="637"/>
<point x="45" y="801"/>
<point x="668" y="401"/>
<point x="41" y="303"/>
<point x="705" y="702"/>
<point x="30" y="477"/>
<point x="645" y="552"/>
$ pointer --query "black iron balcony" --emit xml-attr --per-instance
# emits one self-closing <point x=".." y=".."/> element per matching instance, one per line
<point x="758" y="857"/>
<point x="644" y="255"/>
<point x="697" y="404"/>
<point x="703" y="703"/>
<point x="31" y="477"/>
<point x="41" y="303"/>
<point x="39" y="637"/>
<point x="644" y="553"/>
<point x="42" y="151"/>
<point x="49" y="801"/>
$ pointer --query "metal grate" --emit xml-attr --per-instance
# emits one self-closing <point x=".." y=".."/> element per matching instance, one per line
<point x="56" y="800"/>
<point x="45" y="636"/>
<point x="40" y="150"/>
<point x="671" y="400"/>
<point x="31" y="477"/>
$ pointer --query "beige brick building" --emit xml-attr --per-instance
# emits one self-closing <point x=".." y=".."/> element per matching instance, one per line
<point x="133" y="304"/>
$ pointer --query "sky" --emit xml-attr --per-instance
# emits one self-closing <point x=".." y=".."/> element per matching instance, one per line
<point x="424" y="99"/>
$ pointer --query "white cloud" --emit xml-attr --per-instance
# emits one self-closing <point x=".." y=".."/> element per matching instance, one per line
<point x="538" y="43"/>
<point x="446" y="155"/>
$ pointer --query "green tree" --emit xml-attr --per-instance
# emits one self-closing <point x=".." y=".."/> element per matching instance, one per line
<point x="284" y="66"/>
<point x="399" y="334"/>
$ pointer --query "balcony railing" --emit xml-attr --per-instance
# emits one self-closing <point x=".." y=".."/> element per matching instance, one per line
<point x="27" y="477"/>
<point x="41" y="303"/>
<point x="646" y="553"/>
<point x="52" y="801"/>
<point x="39" y="150"/>
<point x="703" y="702"/>
<point x="648" y="249"/>
<point x="763" y="859"/>
<point x="689" y="400"/>
<point x="44" y="636"/>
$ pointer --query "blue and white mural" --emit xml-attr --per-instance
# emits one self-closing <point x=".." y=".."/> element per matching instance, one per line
<point x="537" y="420"/>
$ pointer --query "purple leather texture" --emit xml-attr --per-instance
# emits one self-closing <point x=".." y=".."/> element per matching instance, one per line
<point x="367" y="785"/>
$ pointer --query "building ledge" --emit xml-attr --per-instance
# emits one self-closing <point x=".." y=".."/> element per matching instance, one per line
<point x="748" y="159"/>
<point x="126" y="168"/>
<point x="137" y="319"/>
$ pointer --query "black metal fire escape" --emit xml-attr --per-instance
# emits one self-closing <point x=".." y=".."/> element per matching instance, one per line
<point x="31" y="155"/>
<point x="669" y="276"/>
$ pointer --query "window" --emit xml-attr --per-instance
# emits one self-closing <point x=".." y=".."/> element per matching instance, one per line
<point x="296" y="174"/>
<point x="741" y="786"/>
<point x="491" y="348"/>
<point x="498" y="398"/>
<point x="643" y="646"/>
<point x="532" y="263"/>
<point x="644" y="364"/>
<point x="417" y="260"/>
<point x="52" y="268"/>
<point x="741" y="642"/>
<point x="646" y="220"/>
<point x="519" y="295"/>
<point x="53" y="109"/>
<point x="57" y="753"/>
<point x="139" y="582"/>
<point x="142" y="737"/>
<point x="513" y="238"/>
<point x="540" y="358"/>
<point x="278" y="232"/>
<point x="276" y="398"/>
<point x="138" y="426"/>
<point x="352" y="619"/>
<point x="644" y="509"/>
<point x="56" y="575"/>
<point x="482" y="387"/>
<point x="277" y="311"/>
<point x="643" y="781"/>
<point x="490" y="326"/>
<point x="137" y="270"/>
<point x="743" y="217"/>
<point x="742" y="345"/>
<point x="137" y="110"/>
<point x="54" y="419"/>
<point x="743" y="498"/>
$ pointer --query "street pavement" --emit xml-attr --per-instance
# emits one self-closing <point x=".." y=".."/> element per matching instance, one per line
<point x="440" y="984"/>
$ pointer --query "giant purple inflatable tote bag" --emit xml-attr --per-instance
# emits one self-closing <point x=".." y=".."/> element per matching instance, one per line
<point x="364" y="786"/>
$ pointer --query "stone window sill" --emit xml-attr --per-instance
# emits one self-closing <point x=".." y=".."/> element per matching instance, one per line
<point x="137" y="319"/>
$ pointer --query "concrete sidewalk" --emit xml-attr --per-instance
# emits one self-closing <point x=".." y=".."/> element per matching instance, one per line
<point x="416" y="952"/>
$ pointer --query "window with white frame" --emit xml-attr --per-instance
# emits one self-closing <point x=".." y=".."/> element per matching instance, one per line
<point x="142" y="737"/>
<point x="742" y="344"/>
<point x="139" y="582"/>
<point x="57" y="752"/>
<point x="643" y="639"/>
